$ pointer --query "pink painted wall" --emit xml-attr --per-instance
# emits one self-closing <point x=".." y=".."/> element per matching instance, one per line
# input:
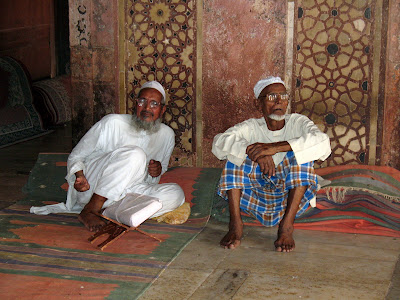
<point x="243" y="41"/>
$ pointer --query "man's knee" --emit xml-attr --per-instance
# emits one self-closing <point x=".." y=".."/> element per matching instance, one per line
<point x="298" y="190"/>
<point x="174" y="191"/>
<point x="129" y="153"/>
<point x="123" y="168"/>
<point x="170" y="195"/>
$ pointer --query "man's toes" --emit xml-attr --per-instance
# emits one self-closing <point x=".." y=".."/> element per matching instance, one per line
<point x="230" y="244"/>
<point x="278" y="246"/>
<point x="93" y="228"/>
<point x="234" y="244"/>
<point x="223" y="243"/>
<point x="97" y="227"/>
<point x="226" y="244"/>
<point x="284" y="248"/>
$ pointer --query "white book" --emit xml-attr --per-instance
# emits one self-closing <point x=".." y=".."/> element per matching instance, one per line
<point x="133" y="210"/>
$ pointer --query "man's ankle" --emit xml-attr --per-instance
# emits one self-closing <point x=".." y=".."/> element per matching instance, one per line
<point x="285" y="227"/>
<point x="235" y="223"/>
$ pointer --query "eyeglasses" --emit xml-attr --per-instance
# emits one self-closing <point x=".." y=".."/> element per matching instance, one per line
<point x="272" y="97"/>
<point x="143" y="102"/>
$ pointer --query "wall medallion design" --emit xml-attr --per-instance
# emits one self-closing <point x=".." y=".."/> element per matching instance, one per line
<point x="332" y="71"/>
<point x="161" y="45"/>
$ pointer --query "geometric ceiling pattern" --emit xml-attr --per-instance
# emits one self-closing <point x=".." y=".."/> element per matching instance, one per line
<point x="332" y="73"/>
<point x="160" y="45"/>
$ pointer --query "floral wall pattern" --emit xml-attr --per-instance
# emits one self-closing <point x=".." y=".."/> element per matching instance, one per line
<point x="160" y="45"/>
<point x="333" y="66"/>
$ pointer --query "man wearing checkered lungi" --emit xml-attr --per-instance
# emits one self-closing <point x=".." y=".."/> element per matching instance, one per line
<point x="269" y="171"/>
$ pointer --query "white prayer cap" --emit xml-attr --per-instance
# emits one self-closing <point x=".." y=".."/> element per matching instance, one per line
<point x="154" y="85"/>
<point x="263" y="83"/>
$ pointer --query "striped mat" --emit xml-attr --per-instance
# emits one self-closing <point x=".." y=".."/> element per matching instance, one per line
<point x="359" y="199"/>
<point x="49" y="256"/>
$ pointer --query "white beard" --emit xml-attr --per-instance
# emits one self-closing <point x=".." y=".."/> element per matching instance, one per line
<point x="149" y="127"/>
<point x="276" y="117"/>
<point x="280" y="117"/>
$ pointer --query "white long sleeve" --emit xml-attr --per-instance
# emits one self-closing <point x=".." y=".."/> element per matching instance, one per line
<point x="307" y="141"/>
<point x="114" y="156"/>
<point x="310" y="143"/>
<point x="85" y="147"/>
<point x="115" y="131"/>
<point x="232" y="143"/>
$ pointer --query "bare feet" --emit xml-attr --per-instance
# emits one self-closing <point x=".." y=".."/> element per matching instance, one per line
<point x="285" y="241"/>
<point x="232" y="239"/>
<point x="91" y="221"/>
<point x="89" y="215"/>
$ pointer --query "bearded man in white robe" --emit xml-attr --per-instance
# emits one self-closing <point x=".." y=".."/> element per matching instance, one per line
<point x="269" y="171"/>
<point x="121" y="154"/>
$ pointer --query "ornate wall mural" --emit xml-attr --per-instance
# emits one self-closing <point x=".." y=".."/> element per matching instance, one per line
<point x="79" y="19"/>
<point x="332" y="74"/>
<point x="160" y="45"/>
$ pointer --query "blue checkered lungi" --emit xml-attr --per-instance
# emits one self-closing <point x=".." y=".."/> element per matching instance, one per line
<point x="266" y="198"/>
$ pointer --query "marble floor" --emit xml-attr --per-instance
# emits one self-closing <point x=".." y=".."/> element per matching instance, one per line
<point x="324" y="265"/>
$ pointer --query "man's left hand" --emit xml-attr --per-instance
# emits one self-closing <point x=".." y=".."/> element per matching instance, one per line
<point x="154" y="168"/>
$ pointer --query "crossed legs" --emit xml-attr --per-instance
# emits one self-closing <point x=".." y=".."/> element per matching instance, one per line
<point x="109" y="176"/>
<point x="108" y="184"/>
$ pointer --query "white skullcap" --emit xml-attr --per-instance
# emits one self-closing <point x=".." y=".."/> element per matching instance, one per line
<point x="154" y="85"/>
<point x="263" y="83"/>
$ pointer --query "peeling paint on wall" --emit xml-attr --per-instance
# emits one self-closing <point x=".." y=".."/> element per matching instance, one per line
<point x="242" y="43"/>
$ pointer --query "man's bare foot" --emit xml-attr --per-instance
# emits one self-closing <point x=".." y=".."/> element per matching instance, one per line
<point x="89" y="215"/>
<point x="91" y="220"/>
<point x="232" y="239"/>
<point x="285" y="241"/>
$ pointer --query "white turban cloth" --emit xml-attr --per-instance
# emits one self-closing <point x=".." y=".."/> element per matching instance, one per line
<point x="263" y="83"/>
<point x="154" y="85"/>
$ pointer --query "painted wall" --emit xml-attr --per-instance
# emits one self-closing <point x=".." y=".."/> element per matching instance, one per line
<point x="94" y="62"/>
<point x="242" y="43"/>
<point x="391" y="124"/>
<point x="160" y="41"/>
<point x="25" y="34"/>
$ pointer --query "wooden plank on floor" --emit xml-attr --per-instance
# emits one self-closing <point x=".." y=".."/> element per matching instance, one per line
<point x="221" y="284"/>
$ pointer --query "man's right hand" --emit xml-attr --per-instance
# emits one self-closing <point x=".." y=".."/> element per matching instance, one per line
<point x="81" y="183"/>
<point x="267" y="165"/>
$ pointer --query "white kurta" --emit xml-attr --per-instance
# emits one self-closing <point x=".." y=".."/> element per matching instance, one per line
<point x="307" y="141"/>
<point x="114" y="157"/>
